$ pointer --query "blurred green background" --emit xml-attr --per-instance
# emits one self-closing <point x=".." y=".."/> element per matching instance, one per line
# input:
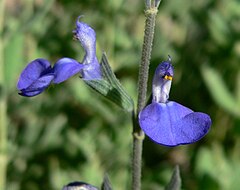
<point x="70" y="133"/>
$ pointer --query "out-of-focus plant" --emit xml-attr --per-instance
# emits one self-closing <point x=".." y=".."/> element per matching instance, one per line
<point x="165" y="122"/>
<point x="220" y="92"/>
<point x="44" y="137"/>
<point x="3" y="106"/>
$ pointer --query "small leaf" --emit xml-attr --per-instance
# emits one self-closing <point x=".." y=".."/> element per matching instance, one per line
<point x="175" y="182"/>
<point x="106" y="185"/>
<point x="110" y="87"/>
<point x="219" y="90"/>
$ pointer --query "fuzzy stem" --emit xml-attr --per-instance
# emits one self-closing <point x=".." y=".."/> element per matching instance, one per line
<point x="146" y="55"/>
<point x="138" y="134"/>
<point x="3" y="107"/>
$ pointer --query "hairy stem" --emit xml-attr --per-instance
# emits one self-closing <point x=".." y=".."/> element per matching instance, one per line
<point x="138" y="134"/>
<point x="3" y="107"/>
<point x="146" y="54"/>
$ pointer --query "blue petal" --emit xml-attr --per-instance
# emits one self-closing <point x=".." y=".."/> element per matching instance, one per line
<point x="66" y="68"/>
<point x="172" y="124"/>
<point x="164" y="68"/>
<point x="79" y="185"/>
<point x="192" y="128"/>
<point x="38" y="86"/>
<point x="92" y="71"/>
<point x="87" y="37"/>
<point x="32" y="72"/>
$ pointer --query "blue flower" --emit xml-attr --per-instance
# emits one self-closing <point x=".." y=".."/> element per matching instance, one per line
<point x="79" y="185"/>
<point x="39" y="74"/>
<point x="167" y="122"/>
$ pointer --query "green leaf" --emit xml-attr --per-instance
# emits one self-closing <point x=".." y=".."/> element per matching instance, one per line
<point x="175" y="182"/>
<point x="110" y="87"/>
<point x="219" y="90"/>
<point x="214" y="163"/>
<point x="14" y="57"/>
<point x="218" y="28"/>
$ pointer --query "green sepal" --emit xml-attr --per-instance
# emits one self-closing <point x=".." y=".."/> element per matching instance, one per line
<point x="110" y="87"/>
<point x="106" y="185"/>
<point x="175" y="182"/>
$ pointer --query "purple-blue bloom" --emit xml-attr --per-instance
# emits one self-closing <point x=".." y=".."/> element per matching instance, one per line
<point x="79" y="186"/>
<point x="39" y="73"/>
<point x="167" y="122"/>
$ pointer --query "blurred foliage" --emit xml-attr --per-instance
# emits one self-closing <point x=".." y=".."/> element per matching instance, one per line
<point x="69" y="133"/>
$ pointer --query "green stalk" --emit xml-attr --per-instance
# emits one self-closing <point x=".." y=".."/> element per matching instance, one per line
<point x="138" y="134"/>
<point x="3" y="107"/>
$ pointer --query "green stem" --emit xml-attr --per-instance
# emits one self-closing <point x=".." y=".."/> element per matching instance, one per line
<point x="146" y="55"/>
<point x="138" y="134"/>
<point x="3" y="107"/>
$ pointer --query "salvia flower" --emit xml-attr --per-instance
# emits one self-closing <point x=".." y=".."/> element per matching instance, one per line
<point x="167" y="122"/>
<point x="39" y="73"/>
<point x="79" y="186"/>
